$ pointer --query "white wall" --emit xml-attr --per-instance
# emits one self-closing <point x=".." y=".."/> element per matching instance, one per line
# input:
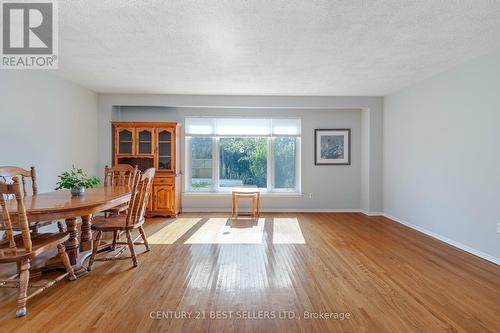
<point x="442" y="155"/>
<point x="331" y="187"/>
<point x="344" y="192"/>
<point x="48" y="123"/>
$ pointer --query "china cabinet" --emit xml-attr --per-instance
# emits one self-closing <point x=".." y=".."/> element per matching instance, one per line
<point x="152" y="145"/>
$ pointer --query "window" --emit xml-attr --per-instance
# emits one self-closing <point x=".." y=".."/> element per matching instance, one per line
<point x="284" y="162"/>
<point x="222" y="154"/>
<point x="243" y="162"/>
<point x="201" y="163"/>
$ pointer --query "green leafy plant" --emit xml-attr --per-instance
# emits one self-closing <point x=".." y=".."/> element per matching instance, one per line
<point x="200" y="184"/>
<point x="244" y="159"/>
<point x="76" y="178"/>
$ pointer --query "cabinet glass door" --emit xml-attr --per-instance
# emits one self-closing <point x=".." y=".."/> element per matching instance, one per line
<point x="125" y="141"/>
<point x="145" y="141"/>
<point x="165" y="149"/>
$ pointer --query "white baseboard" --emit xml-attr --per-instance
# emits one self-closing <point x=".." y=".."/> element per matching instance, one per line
<point x="285" y="210"/>
<point x="274" y="210"/>
<point x="372" y="213"/>
<point x="452" y="242"/>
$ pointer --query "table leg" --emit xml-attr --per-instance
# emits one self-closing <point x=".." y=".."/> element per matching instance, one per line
<point x="236" y="206"/>
<point x="86" y="238"/>
<point x="253" y="207"/>
<point x="72" y="243"/>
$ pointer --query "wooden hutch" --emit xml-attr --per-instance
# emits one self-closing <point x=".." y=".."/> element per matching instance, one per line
<point x="152" y="145"/>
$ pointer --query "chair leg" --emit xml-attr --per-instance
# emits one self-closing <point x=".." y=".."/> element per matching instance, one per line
<point x="24" y="277"/>
<point x="131" y="248"/>
<point x="95" y="247"/>
<point x="61" y="249"/>
<point x="143" y="235"/>
<point x="115" y="239"/>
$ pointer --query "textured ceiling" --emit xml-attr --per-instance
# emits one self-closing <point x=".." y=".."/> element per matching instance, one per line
<point x="268" y="47"/>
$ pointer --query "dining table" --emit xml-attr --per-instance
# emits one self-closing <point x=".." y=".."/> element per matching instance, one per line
<point x="61" y="205"/>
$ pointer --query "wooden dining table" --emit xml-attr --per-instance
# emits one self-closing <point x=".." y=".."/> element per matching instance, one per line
<point x="59" y="205"/>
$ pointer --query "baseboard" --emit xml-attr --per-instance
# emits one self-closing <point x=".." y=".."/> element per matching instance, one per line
<point x="447" y="240"/>
<point x="274" y="210"/>
<point x="372" y="213"/>
<point x="285" y="210"/>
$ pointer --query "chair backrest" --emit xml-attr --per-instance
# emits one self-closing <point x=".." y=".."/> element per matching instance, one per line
<point x="119" y="175"/>
<point x="16" y="190"/>
<point x="141" y="191"/>
<point x="7" y="172"/>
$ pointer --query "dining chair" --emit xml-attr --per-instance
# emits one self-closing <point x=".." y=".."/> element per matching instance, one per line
<point x="23" y="248"/>
<point x="133" y="220"/>
<point x="119" y="175"/>
<point x="6" y="174"/>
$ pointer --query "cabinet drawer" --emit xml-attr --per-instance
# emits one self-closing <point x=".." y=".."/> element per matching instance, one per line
<point x="164" y="180"/>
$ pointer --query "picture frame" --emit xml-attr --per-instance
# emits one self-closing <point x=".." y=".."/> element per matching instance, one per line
<point x="332" y="146"/>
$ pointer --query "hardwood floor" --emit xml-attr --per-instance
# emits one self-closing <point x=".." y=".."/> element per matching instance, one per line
<point x="384" y="276"/>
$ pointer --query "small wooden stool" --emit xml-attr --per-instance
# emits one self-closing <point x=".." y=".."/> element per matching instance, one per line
<point x="254" y="195"/>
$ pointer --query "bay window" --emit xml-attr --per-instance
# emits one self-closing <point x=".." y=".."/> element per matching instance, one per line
<point x="227" y="153"/>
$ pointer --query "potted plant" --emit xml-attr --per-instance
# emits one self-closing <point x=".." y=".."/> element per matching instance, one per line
<point x="77" y="181"/>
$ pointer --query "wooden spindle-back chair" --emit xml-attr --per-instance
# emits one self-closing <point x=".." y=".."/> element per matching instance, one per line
<point x="7" y="172"/>
<point x="24" y="247"/>
<point x="119" y="175"/>
<point x="134" y="219"/>
<point x="6" y="175"/>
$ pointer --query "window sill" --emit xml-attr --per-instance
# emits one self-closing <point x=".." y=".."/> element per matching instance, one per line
<point x="228" y="194"/>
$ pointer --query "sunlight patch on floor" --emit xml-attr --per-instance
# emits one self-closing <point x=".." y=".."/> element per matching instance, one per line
<point x="229" y="231"/>
<point x="287" y="231"/>
<point x="172" y="232"/>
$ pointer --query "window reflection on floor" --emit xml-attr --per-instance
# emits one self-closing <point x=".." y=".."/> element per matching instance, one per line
<point x="223" y="230"/>
<point x="238" y="268"/>
<point x="172" y="232"/>
<point x="229" y="231"/>
<point x="287" y="231"/>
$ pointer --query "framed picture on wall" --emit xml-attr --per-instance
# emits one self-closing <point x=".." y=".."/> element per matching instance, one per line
<point x="332" y="146"/>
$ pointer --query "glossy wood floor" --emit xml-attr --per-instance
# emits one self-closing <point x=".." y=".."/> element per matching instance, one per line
<point x="388" y="278"/>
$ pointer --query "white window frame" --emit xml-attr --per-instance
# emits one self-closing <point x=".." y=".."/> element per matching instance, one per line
<point x="215" y="189"/>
